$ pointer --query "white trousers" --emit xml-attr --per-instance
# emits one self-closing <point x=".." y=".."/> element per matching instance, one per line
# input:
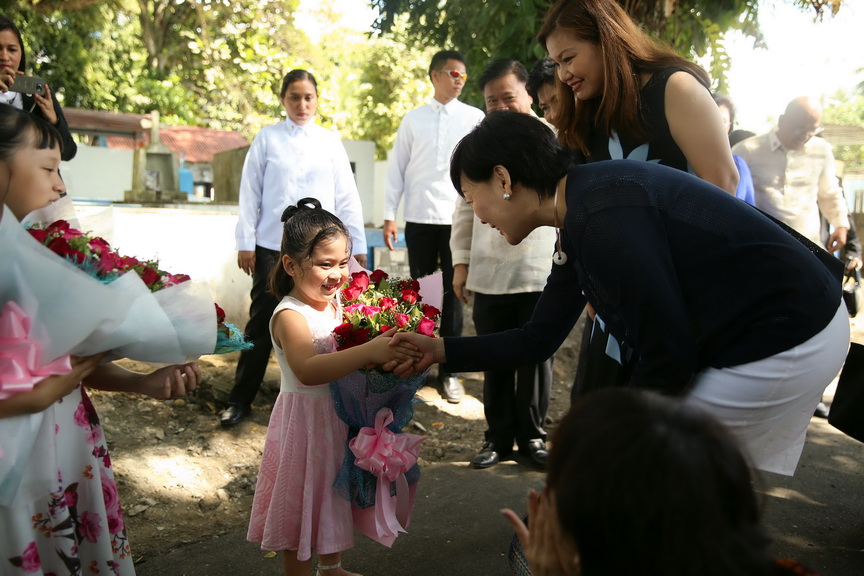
<point x="768" y="404"/>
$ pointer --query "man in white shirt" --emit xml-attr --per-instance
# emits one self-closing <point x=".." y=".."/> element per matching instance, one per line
<point x="794" y="175"/>
<point x="419" y="170"/>
<point x="506" y="282"/>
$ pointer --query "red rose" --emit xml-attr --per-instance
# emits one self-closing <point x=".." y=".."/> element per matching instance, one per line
<point x="99" y="245"/>
<point x="58" y="227"/>
<point x="149" y="276"/>
<point x="410" y="296"/>
<point x="62" y="248"/>
<point x="71" y="233"/>
<point x="430" y="311"/>
<point x="402" y="320"/>
<point x="39" y="234"/>
<point x="387" y="303"/>
<point x="110" y="262"/>
<point x="426" y="327"/>
<point x="128" y="261"/>
<point x="220" y="314"/>
<point x="351" y="292"/>
<point x="378" y="276"/>
<point x="410" y="284"/>
<point x="344" y="330"/>
<point x="385" y="328"/>
<point x="360" y="279"/>
<point x="360" y="336"/>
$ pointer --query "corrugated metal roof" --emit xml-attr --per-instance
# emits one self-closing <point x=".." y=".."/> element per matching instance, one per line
<point x="124" y="131"/>
<point x="194" y="144"/>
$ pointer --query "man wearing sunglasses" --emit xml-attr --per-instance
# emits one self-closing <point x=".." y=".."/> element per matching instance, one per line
<point x="419" y="170"/>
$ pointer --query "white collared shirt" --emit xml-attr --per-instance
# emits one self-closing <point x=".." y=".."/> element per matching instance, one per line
<point x="794" y="186"/>
<point x="419" y="164"/>
<point x="286" y="163"/>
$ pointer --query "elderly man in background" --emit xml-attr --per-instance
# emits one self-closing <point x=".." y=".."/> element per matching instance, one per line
<point x="794" y="176"/>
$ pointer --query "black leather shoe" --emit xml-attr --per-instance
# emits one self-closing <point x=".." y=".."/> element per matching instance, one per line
<point x="536" y="450"/>
<point x="821" y="410"/>
<point x="451" y="389"/>
<point x="489" y="455"/>
<point x="234" y="414"/>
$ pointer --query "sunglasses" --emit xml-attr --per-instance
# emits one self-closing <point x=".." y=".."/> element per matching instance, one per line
<point x="455" y="74"/>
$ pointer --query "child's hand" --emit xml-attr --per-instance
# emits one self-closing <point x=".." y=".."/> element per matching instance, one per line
<point x="169" y="382"/>
<point x="384" y="351"/>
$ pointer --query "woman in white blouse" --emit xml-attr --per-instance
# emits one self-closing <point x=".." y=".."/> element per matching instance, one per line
<point x="287" y="161"/>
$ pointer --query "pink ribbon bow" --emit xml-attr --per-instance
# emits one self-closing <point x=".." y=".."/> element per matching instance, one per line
<point x="20" y="357"/>
<point x="388" y="456"/>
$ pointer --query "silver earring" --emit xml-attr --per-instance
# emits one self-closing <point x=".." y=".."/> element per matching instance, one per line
<point x="506" y="195"/>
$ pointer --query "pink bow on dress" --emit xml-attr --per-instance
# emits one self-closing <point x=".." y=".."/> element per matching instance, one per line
<point x="20" y="357"/>
<point x="388" y="456"/>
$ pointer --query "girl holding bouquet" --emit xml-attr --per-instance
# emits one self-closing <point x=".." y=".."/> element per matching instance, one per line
<point x="296" y="508"/>
<point x="59" y="509"/>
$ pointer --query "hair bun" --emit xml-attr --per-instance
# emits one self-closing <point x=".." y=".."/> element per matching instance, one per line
<point x="303" y="204"/>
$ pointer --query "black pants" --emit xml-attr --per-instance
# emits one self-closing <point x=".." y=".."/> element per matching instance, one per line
<point x="515" y="402"/>
<point x="253" y="363"/>
<point x="428" y="250"/>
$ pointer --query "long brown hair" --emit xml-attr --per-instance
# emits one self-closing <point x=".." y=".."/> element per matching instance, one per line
<point x="627" y="52"/>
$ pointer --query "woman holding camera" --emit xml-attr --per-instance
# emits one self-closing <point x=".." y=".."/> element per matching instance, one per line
<point x="12" y="64"/>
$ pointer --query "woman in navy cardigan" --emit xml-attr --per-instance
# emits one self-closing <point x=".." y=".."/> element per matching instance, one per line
<point x="723" y="306"/>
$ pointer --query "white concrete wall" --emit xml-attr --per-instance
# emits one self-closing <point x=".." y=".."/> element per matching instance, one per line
<point x="197" y="240"/>
<point x="98" y="173"/>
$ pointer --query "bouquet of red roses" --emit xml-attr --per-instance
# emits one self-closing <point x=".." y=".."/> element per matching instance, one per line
<point x="380" y="473"/>
<point x="373" y="304"/>
<point x="95" y="256"/>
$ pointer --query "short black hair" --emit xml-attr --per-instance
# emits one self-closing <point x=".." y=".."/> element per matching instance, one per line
<point x="19" y="128"/>
<point x="295" y="76"/>
<point x="519" y="142"/>
<point x="502" y="67"/>
<point x="441" y="57"/>
<point x="543" y="72"/>
<point x="666" y="491"/>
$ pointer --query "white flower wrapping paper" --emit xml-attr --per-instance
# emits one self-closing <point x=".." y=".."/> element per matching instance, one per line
<point x="73" y="313"/>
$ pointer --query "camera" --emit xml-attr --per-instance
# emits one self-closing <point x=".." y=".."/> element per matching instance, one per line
<point x="28" y="85"/>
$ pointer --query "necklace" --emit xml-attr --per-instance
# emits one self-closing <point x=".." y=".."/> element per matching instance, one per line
<point x="559" y="258"/>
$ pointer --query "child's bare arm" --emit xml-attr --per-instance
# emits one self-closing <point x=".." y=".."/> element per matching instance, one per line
<point x="292" y="334"/>
<point x="163" y="384"/>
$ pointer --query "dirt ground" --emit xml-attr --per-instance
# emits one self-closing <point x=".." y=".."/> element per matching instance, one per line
<point x="182" y="477"/>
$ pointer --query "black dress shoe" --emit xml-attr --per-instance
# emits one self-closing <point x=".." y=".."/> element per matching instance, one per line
<point x="451" y="389"/>
<point x="234" y="414"/>
<point x="821" y="410"/>
<point x="490" y="455"/>
<point x="536" y="450"/>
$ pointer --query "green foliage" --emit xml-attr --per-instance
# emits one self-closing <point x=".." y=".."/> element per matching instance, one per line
<point x="392" y="81"/>
<point x="847" y="109"/>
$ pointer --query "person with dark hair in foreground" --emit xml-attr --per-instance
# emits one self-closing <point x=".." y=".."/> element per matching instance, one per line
<point x="721" y="304"/>
<point x="643" y="484"/>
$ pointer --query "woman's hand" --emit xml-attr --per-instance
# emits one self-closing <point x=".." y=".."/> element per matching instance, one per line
<point x="427" y="351"/>
<point x="7" y="78"/>
<point x="46" y="104"/>
<point x="51" y="389"/>
<point x="548" y="550"/>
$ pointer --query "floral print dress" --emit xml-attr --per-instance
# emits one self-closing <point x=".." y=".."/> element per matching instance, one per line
<point x="78" y="528"/>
